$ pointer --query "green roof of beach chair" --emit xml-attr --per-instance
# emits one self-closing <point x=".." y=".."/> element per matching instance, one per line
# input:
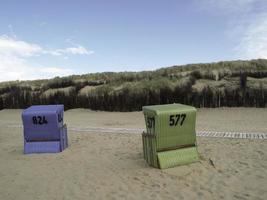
<point x="172" y="124"/>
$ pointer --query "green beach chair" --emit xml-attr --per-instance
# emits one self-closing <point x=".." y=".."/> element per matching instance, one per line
<point x="170" y="137"/>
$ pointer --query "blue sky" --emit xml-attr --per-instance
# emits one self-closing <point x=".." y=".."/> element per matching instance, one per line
<point x="43" y="39"/>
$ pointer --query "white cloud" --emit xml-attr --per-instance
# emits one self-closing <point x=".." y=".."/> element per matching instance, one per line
<point x="10" y="46"/>
<point x="79" y="50"/>
<point x="11" y="31"/>
<point x="15" y="68"/>
<point x="247" y="25"/>
<point x="253" y="39"/>
<point x="15" y="63"/>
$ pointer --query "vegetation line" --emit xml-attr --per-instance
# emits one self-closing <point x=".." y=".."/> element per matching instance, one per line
<point x="229" y="83"/>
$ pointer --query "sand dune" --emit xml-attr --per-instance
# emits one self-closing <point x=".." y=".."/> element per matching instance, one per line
<point x="110" y="166"/>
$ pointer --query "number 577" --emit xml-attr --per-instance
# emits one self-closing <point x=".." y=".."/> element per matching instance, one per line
<point x="177" y="119"/>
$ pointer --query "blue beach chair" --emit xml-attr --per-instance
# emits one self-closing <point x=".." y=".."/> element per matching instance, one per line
<point x="44" y="129"/>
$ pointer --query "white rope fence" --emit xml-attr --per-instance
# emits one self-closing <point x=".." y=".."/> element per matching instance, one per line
<point x="239" y="135"/>
<point x="217" y="134"/>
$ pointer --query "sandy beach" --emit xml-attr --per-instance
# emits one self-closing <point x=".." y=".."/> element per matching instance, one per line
<point x="111" y="165"/>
